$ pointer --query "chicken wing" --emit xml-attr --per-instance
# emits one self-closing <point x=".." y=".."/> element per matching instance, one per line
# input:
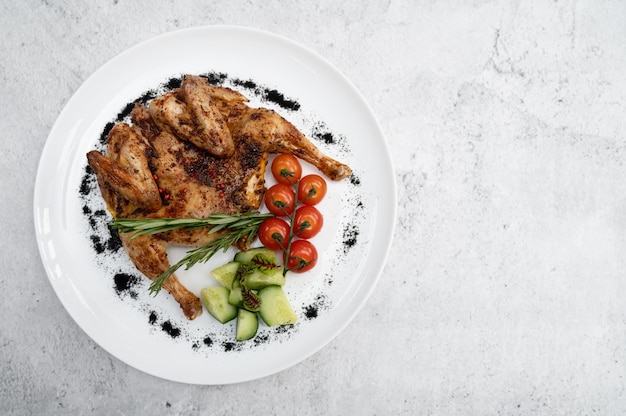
<point x="191" y="114"/>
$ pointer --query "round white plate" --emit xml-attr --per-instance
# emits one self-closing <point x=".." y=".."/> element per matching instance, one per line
<point x="150" y="333"/>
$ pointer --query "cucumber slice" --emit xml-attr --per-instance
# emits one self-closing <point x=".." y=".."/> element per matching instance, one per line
<point x="215" y="300"/>
<point x="259" y="279"/>
<point x="246" y="256"/>
<point x="225" y="273"/>
<point x="275" y="307"/>
<point x="247" y="325"/>
<point x="235" y="298"/>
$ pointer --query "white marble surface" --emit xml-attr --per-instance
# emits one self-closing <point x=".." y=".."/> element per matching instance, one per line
<point x="504" y="290"/>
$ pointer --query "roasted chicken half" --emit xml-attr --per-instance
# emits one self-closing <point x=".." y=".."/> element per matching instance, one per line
<point x="193" y="152"/>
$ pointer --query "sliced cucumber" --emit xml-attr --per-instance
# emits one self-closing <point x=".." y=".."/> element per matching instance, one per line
<point x="247" y="325"/>
<point x="275" y="307"/>
<point x="235" y="298"/>
<point x="247" y="256"/>
<point x="215" y="300"/>
<point x="259" y="279"/>
<point x="225" y="273"/>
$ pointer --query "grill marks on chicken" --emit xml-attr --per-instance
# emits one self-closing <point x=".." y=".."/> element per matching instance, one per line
<point x="195" y="151"/>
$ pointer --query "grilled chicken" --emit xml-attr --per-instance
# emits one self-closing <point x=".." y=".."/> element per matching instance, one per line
<point x="160" y="168"/>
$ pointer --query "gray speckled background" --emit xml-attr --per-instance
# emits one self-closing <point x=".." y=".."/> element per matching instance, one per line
<point x="504" y="289"/>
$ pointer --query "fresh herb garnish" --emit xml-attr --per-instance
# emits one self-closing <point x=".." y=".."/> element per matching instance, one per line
<point x="235" y="227"/>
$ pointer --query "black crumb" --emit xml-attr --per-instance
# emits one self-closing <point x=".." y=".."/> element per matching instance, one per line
<point x="147" y="96"/>
<point x="310" y="312"/>
<point x="152" y="318"/>
<point x="86" y="185"/>
<point x="228" y="345"/>
<point x="207" y="341"/>
<point x="173" y="83"/>
<point x="326" y="137"/>
<point x="276" y="97"/>
<point x="105" y="133"/>
<point x="124" y="283"/>
<point x="283" y="329"/>
<point x="354" y="180"/>
<point x="96" y="243"/>
<point x="215" y="78"/>
<point x="114" y="243"/>
<point x="350" y="234"/>
<point x="171" y="330"/>
<point x="125" y="111"/>
<point x="249" y="84"/>
<point x="261" y="339"/>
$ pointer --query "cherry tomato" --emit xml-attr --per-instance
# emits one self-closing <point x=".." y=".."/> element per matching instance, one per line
<point x="302" y="256"/>
<point x="273" y="233"/>
<point x="311" y="189"/>
<point x="280" y="199"/>
<point x="308" y="221"/>
<point x="286" y="169"/>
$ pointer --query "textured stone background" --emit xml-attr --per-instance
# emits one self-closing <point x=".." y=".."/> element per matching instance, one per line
<point x="504" y="290"/>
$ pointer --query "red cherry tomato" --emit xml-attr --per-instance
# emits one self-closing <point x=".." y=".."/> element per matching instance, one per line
<point x="302" y="256"/>
<point x="280" y="199"/>
<point x="308" y="221"/>
<point x="311" y="189"/>
<point x="273" y="233"/>
<point x="286" y="169"/>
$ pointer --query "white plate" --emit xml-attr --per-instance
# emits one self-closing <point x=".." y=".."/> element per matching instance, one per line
<point x="141" y="330"/>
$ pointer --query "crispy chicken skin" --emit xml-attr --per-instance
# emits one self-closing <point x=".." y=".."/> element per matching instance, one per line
<point x="173" y="163"/>
<point x="126" y="167"/>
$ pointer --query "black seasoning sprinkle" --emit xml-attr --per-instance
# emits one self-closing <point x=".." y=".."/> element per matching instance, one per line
<point x="215" y="78"/>
<point x="228" y="346"/>
<point x="147" y="96"/>
<point x="105" y="133"/>
<point x="96" y="243"/>
<point x="354" y="180"/>
<point x="350" y="234"/>
<point x="124" y="284"/>
<point x="86" y="184"/>
<point x="261" y="339"/>
<point x="114" y="243"/>
<point x="278" y="98"/>
<point x="125" y="112"/>
<point x="268" y="94"/>
<point x="310" y="312"/>
<point x="173" y="83"/>
<point x="245" y="84"/>
<point x="152" y="318"/>
<point x="208" y="341"/>
<point x="170" y="329"/>
<point x="325" y="137"/>
<point x="283" y="329"/>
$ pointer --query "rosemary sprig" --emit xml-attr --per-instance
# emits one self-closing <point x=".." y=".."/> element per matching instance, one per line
<point x="236" y="226"/>
<point x="217" y="222"/>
